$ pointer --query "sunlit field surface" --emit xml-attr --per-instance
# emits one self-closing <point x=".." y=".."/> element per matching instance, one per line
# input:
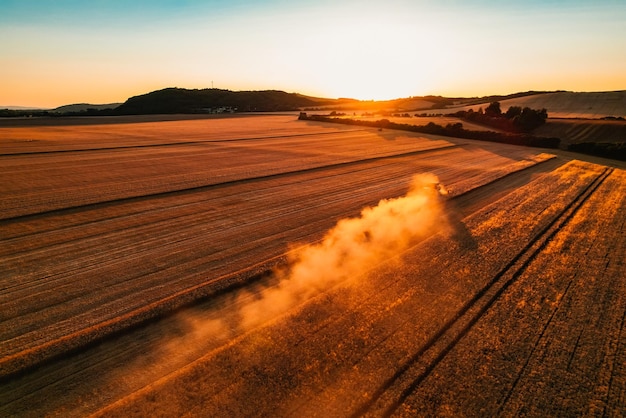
<point x="566" y="104"/>
<point x="261" y="265"/>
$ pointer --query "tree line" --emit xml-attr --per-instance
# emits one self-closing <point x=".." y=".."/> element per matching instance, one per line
<point x="515" y="119"/>
<point x="451" y="129"/>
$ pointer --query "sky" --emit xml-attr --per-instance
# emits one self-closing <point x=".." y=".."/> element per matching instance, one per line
<point x="60" y="52"/>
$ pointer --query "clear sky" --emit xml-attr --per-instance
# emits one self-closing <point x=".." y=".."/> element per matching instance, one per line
<point x="70" y="51"/>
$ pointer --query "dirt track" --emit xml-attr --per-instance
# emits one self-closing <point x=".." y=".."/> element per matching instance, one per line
<point x="459" y="328"/>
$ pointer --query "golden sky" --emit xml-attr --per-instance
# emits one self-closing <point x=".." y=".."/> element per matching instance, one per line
<point x="60" y="52"/>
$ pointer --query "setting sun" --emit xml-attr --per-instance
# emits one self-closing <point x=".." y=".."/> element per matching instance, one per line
<point x="106" y="52"/>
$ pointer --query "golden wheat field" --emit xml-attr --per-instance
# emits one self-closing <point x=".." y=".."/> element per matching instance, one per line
<point x="265" y="266"/>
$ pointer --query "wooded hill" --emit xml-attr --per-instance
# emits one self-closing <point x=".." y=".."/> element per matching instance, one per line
<point x="177" y="100"/>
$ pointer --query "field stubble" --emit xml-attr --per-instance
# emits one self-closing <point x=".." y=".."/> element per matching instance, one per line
<point x="352" y="348"/>
<point x="147" y="248"/>
<point x="359" y="346"/>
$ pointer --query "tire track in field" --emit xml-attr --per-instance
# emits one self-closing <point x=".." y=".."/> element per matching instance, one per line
<point x="569" y="214"/>
<point x="440" y="344"/>
<point x="167" y="144"/>
<point x="522" y="371"/>
<point x="205" y="187"/>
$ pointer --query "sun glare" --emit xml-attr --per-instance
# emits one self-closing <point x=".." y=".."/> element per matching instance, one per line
<point x="368" y="59"/>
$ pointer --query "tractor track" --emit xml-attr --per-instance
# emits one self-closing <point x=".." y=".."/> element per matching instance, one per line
<point x="167" y="144"/>
<point x="206" y="187"/>
<point x="422" y="363"/>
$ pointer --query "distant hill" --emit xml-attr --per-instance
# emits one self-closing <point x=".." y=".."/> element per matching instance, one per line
<point x="559" y="104"/>
<point x="415" y="103"/>
<point x="396" y="105"/>
<point x="177" y="100"/>
<point x="567" y="104"/>
<point x="21" y="108"/>
<point x="81" y="107"/>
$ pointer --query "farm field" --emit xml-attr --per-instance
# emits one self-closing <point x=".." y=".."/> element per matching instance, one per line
<point x="574" y="131"/>
<point x="109" y="230"/>
<point x="566" y="104"/>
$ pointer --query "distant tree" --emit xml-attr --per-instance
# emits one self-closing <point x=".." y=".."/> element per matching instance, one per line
<point x="513" y="112"/>
<point x="530" y="119"/>
<point x="515" y="120"/>
<point x="493" y="110"/>
<point x="458" y="126"/>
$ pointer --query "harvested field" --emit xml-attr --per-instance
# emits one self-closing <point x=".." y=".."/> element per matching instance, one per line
<point x="105" y="227"/>
<point x="569" y="104"/>
<point x="565" y="104"/>
<point x="575" y="131"/>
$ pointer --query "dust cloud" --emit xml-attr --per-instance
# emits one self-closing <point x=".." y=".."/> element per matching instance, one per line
<point x="352" y="248"/>
<point x="345" y="255"/>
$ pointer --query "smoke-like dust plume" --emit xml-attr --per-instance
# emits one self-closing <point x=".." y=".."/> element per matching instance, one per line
<point x="346" y="254"/>
<point x="352" y="248"/>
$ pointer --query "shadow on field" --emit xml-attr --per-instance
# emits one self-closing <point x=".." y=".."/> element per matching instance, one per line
<point x="458" y="230"/>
